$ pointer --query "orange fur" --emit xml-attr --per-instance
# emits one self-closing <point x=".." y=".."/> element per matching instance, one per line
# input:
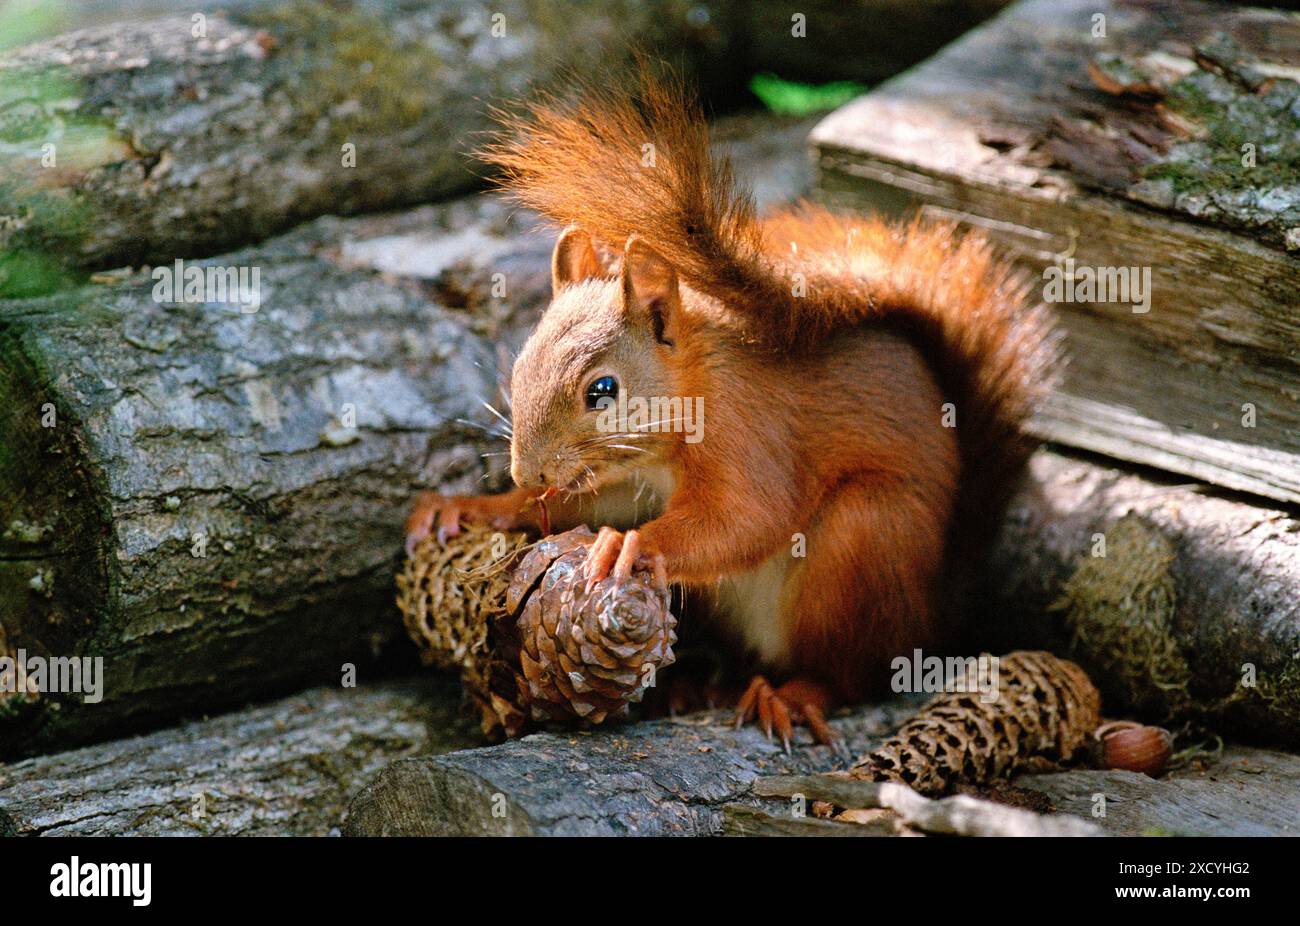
<point x="825" y="348"/>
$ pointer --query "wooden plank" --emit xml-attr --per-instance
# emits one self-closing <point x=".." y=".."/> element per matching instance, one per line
<point x="1207" y="381"/>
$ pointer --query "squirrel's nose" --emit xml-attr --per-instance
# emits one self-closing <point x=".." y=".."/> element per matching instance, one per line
<point x="525" y="476"/>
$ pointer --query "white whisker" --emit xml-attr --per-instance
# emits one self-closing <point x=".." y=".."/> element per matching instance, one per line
<point x="504" y="420"/>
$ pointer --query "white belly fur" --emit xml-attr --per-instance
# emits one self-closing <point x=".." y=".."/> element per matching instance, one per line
<point x="753" y="604"/>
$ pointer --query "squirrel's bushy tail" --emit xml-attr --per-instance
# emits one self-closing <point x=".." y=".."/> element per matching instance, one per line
<point x="620" y="162"/>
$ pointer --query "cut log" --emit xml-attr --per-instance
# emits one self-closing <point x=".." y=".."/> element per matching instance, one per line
<point x="141" y="140"/>
<point x="167" y="143"/>
<point x="180" y="490"/>
<point x="1039" y="128"/>
<point x="655" y="778"/>
<point x="283" y="769"/>
<point x="211" y="500"/>
<point x="1180" y="603"/>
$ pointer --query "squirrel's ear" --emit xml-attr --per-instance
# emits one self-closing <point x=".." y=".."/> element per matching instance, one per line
<point x="650" y="289"/>
<point x="574" y="259"/>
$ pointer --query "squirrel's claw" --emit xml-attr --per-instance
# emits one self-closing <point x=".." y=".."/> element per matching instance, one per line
<point x="601" y="557"/>
<point x="615" y="553"/>
<point x="778" y="710"/>
<point x="448" y="522"/>
<point x="431" y="506"/>
<point x="448" y="511"/>
<point x="419" y="523"/>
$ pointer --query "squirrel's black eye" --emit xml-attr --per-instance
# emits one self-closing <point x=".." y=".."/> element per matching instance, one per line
<point x="604" y="387"/>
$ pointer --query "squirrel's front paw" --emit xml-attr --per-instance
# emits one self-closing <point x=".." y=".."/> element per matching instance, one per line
<point x="615" y="553"/>
<point x="447" y="511"/>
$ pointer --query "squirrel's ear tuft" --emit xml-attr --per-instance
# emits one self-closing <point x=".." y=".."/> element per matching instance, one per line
<point x="574" y="259"/>
<point x="650" y="289"/>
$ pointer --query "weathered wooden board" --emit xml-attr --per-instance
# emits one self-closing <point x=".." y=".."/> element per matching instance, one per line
<point x="287" y="768"/>
<point x="1006" y="131"/>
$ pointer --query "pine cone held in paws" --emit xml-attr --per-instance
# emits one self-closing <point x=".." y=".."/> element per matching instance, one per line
<point x="530" y="643"/>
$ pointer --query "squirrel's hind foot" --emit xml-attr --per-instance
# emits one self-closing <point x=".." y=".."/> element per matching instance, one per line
<point x="800" y="702"/>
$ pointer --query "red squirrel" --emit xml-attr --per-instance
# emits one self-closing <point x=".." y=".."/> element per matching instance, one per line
<point x="863" y="387"/>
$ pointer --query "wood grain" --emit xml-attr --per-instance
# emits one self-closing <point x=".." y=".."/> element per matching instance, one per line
<point x="963" y="137"/>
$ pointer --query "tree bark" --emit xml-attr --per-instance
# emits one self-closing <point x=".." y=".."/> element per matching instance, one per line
<point x="655" y="778"/>
<point x="282" y="769"/>
<point x="212" y="500"/>
<point x="167" y="143"/>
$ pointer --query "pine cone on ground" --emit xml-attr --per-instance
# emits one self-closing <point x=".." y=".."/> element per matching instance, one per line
<point x="529" y="642"/>
<point x="1045" y="713"/>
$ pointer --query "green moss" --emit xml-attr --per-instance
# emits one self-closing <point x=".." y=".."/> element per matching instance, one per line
<point x="1230" y="119"/>
<point x="42" y="226"/>
<point x="1278" y="693"/>
<point x="348" y="68"/>
<point x="25" y="273"/>
<point x="1120" y="609"/>
<point x="14" y="707"/>
<point x="796" y="99"/>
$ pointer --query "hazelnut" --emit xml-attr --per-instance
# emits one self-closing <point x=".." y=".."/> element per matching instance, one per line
<point x="1134" y="747"/>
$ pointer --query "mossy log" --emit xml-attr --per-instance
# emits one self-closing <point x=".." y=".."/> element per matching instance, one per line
<point x="214" y="127"/>
<point x="189" y="134"/>
<point x="1182" y="603"/>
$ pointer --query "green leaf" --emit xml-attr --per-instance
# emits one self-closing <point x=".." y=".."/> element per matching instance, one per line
<point x="792" y="98"/>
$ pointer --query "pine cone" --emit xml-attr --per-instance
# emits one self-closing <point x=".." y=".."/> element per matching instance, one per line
<point x="529" y="642"/>
<point x="1045" y="713"/>
<point x="588" y="655"/>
